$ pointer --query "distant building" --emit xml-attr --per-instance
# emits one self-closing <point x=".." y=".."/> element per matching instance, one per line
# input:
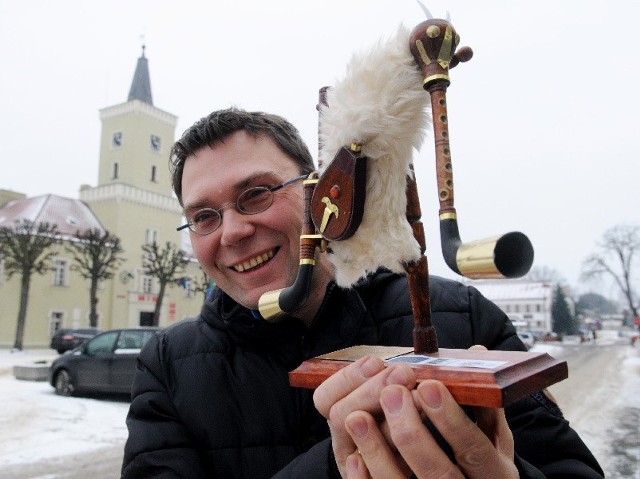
<point x="527" y="303"/>
<point x="132" y="200"/>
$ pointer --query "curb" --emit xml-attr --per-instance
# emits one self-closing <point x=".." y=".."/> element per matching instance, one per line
<point x="38" y="371"/>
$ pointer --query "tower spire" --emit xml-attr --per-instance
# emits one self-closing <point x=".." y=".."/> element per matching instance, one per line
<point x="141" y="84"/>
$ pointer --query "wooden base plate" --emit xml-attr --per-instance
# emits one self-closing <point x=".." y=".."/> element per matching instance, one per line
<point x="474" y="377"/>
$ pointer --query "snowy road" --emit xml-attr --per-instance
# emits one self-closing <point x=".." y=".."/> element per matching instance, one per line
<point x="43" y="436"/>
<point x="601" y="400"/>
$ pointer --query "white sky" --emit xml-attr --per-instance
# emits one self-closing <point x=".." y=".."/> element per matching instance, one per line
<point x="542" y="121"/>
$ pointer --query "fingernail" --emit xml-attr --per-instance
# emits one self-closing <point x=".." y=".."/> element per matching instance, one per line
<point x="370" y="367"/>
<point x="430" y="394"/>
<point x="392" y="399"/>
<point x="359" y="427"/>
<point x="397" y="375"/>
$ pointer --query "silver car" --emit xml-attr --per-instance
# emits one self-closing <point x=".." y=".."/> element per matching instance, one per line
<point x="527" y="338"/>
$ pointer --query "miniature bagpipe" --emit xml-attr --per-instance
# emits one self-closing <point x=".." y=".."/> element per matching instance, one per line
<point x="362" y="208"/>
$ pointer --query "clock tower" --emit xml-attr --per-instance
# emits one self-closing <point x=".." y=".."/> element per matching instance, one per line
<point x="134" y="201"/>
<point x="136" y="138"/>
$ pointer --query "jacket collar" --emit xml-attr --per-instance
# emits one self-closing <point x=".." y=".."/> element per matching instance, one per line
<point x="336" y="325"/>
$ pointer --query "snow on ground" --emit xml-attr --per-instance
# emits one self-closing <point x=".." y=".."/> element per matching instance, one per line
<point x="621" y="441"/>
<point x="36" y="424"/>
<point x="605" y="411"/>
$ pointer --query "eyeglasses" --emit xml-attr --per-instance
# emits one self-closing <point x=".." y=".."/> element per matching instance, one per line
<point x="250" y="202"/>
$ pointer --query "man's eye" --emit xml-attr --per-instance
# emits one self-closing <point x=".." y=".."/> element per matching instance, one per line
<point x="256" y="194"/>
<point x="201" y="216"/>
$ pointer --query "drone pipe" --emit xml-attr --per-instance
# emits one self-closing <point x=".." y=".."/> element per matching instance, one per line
<point x="425" y="340"/>
<point x="275" y="304"/>
<point x="506" y="256"/>
<point x="433" y="44"/>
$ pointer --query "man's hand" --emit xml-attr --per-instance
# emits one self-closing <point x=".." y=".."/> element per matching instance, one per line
<point x="357" y="388"/>
<point x="376" y="420"/>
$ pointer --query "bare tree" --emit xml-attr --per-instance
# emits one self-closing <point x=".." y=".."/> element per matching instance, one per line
<point x="616" y="258"/>
<point x="96" y="257"/>
<point x="545" y="274"/>
<point x="202" y="284"/>
<point x="26" y="248"/>
<point x="166" y="264"/>
<point x="595" y="303"/>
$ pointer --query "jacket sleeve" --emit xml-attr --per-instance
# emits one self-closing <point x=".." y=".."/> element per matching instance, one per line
<point x="544" y="440"/>
<point x="158" y="444"/>
<point x="317" y="463"/>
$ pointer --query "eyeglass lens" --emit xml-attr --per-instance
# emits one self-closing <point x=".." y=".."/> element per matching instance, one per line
<point x="250" y="202"/>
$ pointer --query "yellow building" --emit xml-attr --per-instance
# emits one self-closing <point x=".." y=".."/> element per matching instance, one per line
<point x="133" y="201"/>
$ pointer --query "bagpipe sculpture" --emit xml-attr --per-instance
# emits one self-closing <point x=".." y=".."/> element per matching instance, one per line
<point x="362" y="208"/>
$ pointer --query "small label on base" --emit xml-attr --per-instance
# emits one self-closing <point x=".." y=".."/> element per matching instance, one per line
<point x="449" y="362"/>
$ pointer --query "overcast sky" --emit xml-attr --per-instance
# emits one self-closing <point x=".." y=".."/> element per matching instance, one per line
<point x="543" y="120"/>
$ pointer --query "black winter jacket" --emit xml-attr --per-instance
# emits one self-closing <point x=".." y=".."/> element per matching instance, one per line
<point x="211" y="396"/>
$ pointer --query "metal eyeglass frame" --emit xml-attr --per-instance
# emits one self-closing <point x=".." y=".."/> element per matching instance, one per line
<point x="235" y="204"/>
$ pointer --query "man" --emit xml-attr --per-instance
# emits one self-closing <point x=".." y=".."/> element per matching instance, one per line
<point x="211" y="396"/>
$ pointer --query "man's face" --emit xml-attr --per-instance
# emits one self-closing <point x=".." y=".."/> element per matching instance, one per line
<point x="247" y="255"/>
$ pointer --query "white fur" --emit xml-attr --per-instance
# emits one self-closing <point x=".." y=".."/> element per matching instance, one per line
<point x="381" y="104"/>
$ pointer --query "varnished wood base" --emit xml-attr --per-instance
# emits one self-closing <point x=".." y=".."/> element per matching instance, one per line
<point x="474" y="377"/>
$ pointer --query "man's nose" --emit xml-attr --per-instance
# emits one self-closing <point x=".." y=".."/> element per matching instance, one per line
<point x="235" y="227"/>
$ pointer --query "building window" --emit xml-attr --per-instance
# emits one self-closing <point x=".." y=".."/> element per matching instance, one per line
<point x="527" y="308"/>
<point x="507" y="308"/>
<point x="115" y="170"/>
<point x="153" y="173"/>
<point x="538" y="308"/>
<point x="147" y="284"/>
<point x="55" y="322"/>
<point x="60" y="272"/>
<point x="516" y="308"/>
<point x="151" y="236"/>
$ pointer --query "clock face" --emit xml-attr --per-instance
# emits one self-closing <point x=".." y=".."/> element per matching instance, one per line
<point x="155" y="143"/>
<point x="117" y="139"/>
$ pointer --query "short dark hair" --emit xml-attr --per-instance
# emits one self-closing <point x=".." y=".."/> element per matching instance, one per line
<point x="222" y="123"/>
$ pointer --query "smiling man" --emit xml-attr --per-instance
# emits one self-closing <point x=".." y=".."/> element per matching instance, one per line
<point x="255" y="248"/>
<point x="211" y="396"/>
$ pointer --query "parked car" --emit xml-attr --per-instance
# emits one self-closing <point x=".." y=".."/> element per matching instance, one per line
<point x="104" y="364"/>
<point x="66" y="339"/>
<point x="527" y="338"/>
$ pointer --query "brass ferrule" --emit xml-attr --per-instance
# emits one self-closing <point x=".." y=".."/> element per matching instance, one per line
<point x="433" y="78"/>
<point x="476" y="259"/>
<point x="269" y="305"/>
